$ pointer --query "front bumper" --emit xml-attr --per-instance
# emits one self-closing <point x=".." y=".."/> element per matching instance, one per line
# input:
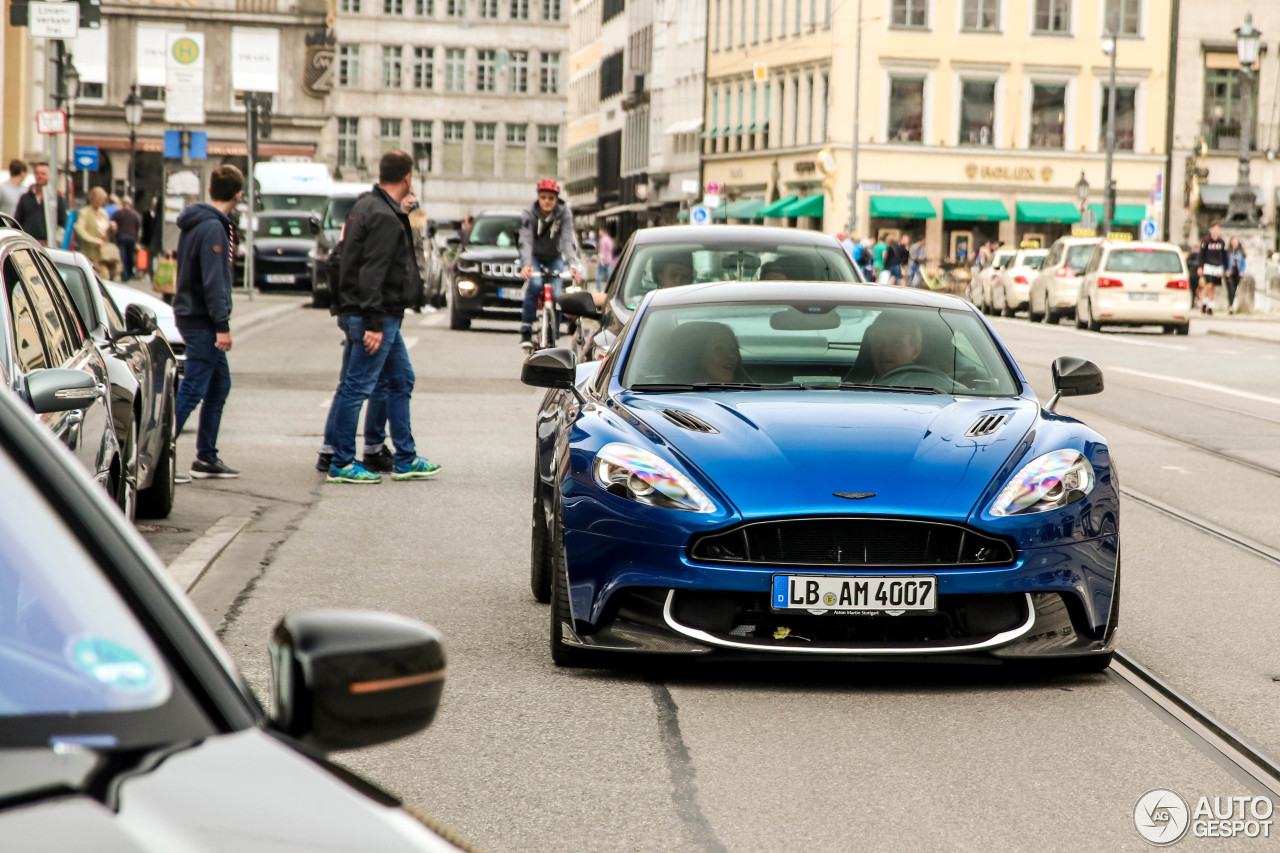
<point x="488" y="295"/>
<point x="1169" y="308"/>
<point x="634" y="597"/>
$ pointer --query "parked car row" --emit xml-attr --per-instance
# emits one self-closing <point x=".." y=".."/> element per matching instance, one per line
<point x="1093" y="281"/>
<point x="101" y="378"/>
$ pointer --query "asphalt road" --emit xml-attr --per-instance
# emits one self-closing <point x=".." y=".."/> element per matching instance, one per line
<point x="526" y="757"/>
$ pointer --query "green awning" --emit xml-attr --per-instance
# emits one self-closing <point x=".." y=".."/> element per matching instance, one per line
<point x="777" y="207"/>
<point x="1127" y="215"/>
<point x="710" y="133"/>
<point x="974" y="210"/>
<point x="1059" y="212"/>
<point x="746" y="208"/>
<point x="901" y="207"/>
<point x="810" y="205"/>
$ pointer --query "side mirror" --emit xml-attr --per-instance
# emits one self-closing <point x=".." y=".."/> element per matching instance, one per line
<point x="314" y="225"/>
<point x="1074" y="377"/>
<point x="342" y="679"/>
<point x="140" y="320"/>
<point x="58" y="389"/>
<point x="588" y="246"/>
<point x="550" y="368"/>
<point x="454" y="241"/>
<point x="578" y="304"/>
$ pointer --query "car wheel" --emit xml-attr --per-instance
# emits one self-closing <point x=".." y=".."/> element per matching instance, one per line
<point x="1006" y="310"/>
<point x="1033" y="316"/>
<point x="540" y="556"/>
<point x="1090" y="323"/>
<point x="157" y="500"/>
<point x="127" y="487"/>
<point x="458" y="321"/>
<point x="1079" y="319"/>
<point x="561" y="654"/>
<point x="1182" y="328"/>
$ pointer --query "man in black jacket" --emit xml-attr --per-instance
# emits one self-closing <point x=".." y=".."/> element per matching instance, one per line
<point x="202" y="312"/>
<point x="379" y="279"/>
<point x="38" y="213"/>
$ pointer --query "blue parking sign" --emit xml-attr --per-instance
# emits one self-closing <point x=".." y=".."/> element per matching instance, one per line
<point x="700" y="215"/>
<point x="86" y="158"/>
<point x="1148" y="229"/>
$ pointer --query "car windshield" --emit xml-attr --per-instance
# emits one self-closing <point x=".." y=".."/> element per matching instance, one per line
<point x="817" y="346"/>
<point x="282" y="226"/>
<point x="1144" y="260"/>
<point x="283" y="201"/>
<point x="1033" y="261"/>
<point x="1003" y="260"/>
<point x="653" y="267"/>
<point x="1078" y="256"/>
<point x="78" y="287"/>
<point x="500" y="231"/>
<point x="335" y="214"/>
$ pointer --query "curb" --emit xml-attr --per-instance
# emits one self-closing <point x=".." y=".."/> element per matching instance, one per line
<point x="1241" y="337"/>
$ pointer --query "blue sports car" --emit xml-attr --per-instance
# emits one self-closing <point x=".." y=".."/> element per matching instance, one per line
<point x="824" y="470"/>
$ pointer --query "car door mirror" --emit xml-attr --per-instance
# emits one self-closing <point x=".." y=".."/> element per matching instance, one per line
<point x="314" y="225"/>
<point x="589" y="246"/>
<point x="57" y="389"/>
<point x="1074" y="377"/>
<point x="454" y="241"/>
<point x="140" y="320"/>
<point x="550" y="368"/>
<point x="581" y="303"/>
<point x="342" y="679"/>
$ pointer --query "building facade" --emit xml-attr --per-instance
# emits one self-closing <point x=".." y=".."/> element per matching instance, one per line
<point x="1207" y="116"/>
<point x="977" y="119"/>
<point x="474" y="89"/>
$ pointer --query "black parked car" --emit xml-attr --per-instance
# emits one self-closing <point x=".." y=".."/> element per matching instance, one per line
<point x="126" y="727"/>
<point x="283" y="241"/>
<point x="144" y="383"/>
<point x="50" y="360"/>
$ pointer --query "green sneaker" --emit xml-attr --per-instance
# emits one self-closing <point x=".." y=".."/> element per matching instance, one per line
<point x="353" y="473"/>
<point x="418" y="469"/>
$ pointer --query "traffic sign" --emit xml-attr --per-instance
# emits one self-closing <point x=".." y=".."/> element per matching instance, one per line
<point x="86" y="158"/>
<point x="51" y="121"/>
<point x="1148" y="229"/>
<point x="53" y="20"/>
<point x="700" y="215"/>
<point x="711" y="201"/>
<point x="713" y="188"/>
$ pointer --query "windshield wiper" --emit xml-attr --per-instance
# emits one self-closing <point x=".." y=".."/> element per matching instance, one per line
<point x="861" y="386"/>
<point x="705" y="386"/>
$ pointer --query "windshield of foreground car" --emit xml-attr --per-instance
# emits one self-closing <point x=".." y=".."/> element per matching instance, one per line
<point x="335" y="215"/>
<point x="500" y="231"/>
<point x="669" y="265"/>
<point x="816" y="346"/>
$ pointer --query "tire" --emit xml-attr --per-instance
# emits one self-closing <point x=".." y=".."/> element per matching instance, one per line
<point x="561" y="654"/>
<point x="458" y="321"/>
<point x="1091" y="324"/>
<point x="1182" y="328"/>
<point x="1078" y="319"/>
<point x="1167" y="329"/>
<point x="157" y="500"/>
<point x="1033" y="316"/>
<point x="1079" y="665"/>
<point x="126" y="490"/>
<point x="541" y="558"/>
<point x="1006" y="310"/>
<point x="546" y="329"/>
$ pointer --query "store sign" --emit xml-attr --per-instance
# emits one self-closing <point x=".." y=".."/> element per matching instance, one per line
<point x="255" y="59"/>
<point x="1008" y="173"/>
<point x="317" y="70"/>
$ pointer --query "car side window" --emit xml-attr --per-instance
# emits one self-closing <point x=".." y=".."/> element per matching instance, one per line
<point x="47" y="314"/>
<point x="1093" y="261"/>
<point x="76" y="331"/>
<point x="1054" y="255"/>
<point x="27" y="344"/>
<point x="115" y="322"/>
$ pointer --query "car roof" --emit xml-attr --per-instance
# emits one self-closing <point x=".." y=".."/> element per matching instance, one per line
<point x="1068" y="241"/>
<point x="62" y="256"/>
<point x="716" y="235"/>
<point x="800" y="291"/>
<point x="281" y="214"/>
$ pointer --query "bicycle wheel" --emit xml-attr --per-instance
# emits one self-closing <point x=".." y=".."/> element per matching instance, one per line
<point x="547" y="327"/>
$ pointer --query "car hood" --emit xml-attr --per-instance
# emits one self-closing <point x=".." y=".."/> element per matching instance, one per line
<point x="788" y="452"/>
<point x="289" y="245"/>
<point x="489" y="253"/>
<point x="202" y="798"/>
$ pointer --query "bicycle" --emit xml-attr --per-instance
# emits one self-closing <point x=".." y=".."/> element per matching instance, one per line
<point x="548" y="323"/>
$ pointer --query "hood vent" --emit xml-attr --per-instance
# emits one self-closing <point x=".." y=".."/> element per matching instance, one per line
<point x="688" y="421"/>
<point x="987" y="424"/>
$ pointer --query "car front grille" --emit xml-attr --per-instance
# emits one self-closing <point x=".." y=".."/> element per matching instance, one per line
<point x="500" y="270"/>
<point x="851" y="542"/>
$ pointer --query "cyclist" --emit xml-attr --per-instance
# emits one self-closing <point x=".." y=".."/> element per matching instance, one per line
<point x="547" y="245"/>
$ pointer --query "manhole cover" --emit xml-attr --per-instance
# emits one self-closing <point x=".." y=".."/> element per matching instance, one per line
<point x="160" y="528"/>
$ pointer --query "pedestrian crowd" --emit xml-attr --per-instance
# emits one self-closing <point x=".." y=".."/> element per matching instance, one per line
<point x="891" y="259"/>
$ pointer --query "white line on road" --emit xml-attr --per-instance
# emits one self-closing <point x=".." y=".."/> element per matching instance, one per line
<point x="1067" y="330"/>
<point x="409" y="342"/>
<point x="191" y="564"/>
<point x="1194" y="383"/>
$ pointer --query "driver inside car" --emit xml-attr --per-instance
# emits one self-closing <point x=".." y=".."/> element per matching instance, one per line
<point x="892" y="341"/>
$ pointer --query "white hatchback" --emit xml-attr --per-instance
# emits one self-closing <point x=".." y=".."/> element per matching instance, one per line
<point x="1135" y="284"/>
<point x="1012" y="285"/>
<point x="980" y="287"/>
<point x="1056" y="287"/>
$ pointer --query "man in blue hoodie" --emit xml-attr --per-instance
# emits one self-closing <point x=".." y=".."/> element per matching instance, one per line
<point x="202" y="311"/>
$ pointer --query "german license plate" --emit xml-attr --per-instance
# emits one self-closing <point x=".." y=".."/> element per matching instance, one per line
<point x="855" y="592"/>
<point x="1143" y="297"/>
<point x="281" y="278"/>
<point x="513" y="293"/>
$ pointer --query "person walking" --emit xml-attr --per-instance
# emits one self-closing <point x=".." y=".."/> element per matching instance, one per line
<point x="41" y="211"/>
<point x="878" y="258"/>
<point x="128" y="226"/>
<point x="604" y="258"/>
<point x="379" y="280"/>
<point x="202" y="311"/>
<point x="153" y="233"/>
<point x="92" y="225"/>
<point x="1213" y="265"/>
<point x="1235" y="269"/>
<point x="11" y="190"/>
<point x="547" y="242"/>
<point x="919" y="257"/>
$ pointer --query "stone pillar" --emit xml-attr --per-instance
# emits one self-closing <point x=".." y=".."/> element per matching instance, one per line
<point x="1258" y="243"/>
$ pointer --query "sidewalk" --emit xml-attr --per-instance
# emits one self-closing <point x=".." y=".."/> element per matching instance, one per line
<point x="1249" y="327"/>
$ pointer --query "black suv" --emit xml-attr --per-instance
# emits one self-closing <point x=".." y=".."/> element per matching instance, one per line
<point x="484" y="279"/>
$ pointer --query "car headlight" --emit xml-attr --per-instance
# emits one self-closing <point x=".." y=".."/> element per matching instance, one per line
<point x="1051" y="481"/>
<point x="639" y="475"/>
<point x="464" y="266"/>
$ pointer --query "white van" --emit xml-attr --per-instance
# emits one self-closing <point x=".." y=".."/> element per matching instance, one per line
<point x="292" y="186"/>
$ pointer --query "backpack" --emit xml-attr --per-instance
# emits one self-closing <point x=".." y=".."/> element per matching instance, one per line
<point x="333" y="270"/>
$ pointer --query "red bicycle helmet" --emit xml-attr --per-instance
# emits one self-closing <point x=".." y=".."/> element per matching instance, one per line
<point x="549" y="185"/>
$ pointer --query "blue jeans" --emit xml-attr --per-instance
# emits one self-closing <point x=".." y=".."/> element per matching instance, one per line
<point x="533" y="289"/>
<point x="364" y="371"/>
<point x="207" y="380"/>
<point x="375" y="415"/>
<point x="603" y="271"/>
<point x="127" y="246"/>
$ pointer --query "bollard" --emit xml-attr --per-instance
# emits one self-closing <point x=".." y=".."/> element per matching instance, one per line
<point x="1244" y="295"/>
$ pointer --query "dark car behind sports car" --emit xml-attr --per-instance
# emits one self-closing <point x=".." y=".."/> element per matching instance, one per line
<point x="484" y="278"/>
<point x="283" y="241"/>
<point x="125" y="727"/>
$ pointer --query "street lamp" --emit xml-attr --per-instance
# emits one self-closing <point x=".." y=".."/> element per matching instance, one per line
<point x="1242" y="206"/>
<point x="1109" y="186"/>
<point x="1082" y="193"/>
<point x="133" y="118"/>
<point x="66" y="90"/>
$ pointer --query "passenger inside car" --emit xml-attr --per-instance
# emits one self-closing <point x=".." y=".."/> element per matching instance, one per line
<point x="703" y="351"/>
<point x="673" y="270"/>
<point x="893" y="340"/>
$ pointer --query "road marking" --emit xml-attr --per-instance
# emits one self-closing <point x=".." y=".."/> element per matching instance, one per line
<point x="328" y="402"/>
<point x="1097" y="336"/>
<point x="1194" y="383"/>
<point x="409" y="342"/>
<point x="192" y="563"/>
<point x="1177" y="468"/>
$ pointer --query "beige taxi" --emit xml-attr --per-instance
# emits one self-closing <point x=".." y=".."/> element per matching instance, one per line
<point x="1056" y="286"/>
<point x="1134" y="284"/>
<point x="980" y="286"/>
<point x="1011" y="285"/>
